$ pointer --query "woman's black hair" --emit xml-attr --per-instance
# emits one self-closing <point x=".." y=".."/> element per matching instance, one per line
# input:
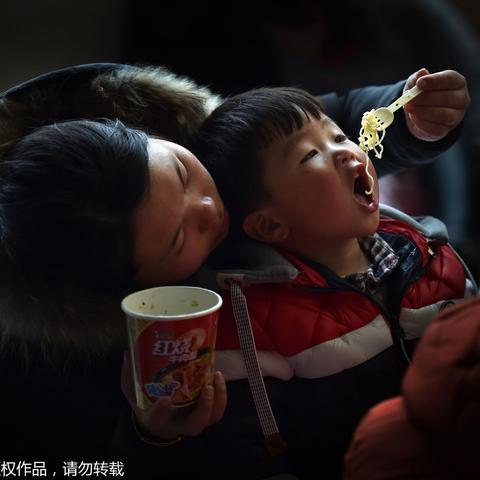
<point x="67" y="193"/>
<point x="230" y="139"/>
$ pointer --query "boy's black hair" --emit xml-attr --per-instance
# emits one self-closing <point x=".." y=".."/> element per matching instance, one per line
<point x="67" y="192"/>
<point x="230" y="139"/>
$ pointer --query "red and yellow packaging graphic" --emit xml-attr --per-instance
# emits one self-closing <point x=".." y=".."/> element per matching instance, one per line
<point x="174" y="358"/>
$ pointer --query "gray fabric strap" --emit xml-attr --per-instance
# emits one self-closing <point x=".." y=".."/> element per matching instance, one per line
<point x="273" y="441"/>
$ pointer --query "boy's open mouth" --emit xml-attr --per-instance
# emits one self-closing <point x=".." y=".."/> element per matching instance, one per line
<point x="361" y="185"/>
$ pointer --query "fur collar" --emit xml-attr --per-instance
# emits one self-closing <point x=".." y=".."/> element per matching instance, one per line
<point x="150" y="98"/>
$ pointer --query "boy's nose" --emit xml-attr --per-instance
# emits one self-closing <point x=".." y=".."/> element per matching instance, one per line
<point x="343" y="156"/>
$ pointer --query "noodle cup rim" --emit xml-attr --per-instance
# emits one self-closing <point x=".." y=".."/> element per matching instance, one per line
<point x="183" y="316"/>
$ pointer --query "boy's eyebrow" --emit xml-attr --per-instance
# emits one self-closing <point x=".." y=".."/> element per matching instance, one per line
<point x="291" y="143"/>
<point x="327" y="119"/>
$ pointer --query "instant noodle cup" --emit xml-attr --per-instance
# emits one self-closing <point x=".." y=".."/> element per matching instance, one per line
<point x="172" y="332"/>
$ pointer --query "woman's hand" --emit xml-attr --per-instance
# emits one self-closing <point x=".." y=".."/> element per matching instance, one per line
<point x="159" y="420"/>
<point x="440" y="107"/>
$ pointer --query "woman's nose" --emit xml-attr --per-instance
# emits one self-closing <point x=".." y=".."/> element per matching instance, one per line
<point x="203" y="212"/>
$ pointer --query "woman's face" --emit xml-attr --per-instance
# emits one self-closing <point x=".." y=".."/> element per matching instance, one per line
<point x="180" y="219"/>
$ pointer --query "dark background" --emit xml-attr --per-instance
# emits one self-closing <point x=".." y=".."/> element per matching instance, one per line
<point x="233" y="46"/>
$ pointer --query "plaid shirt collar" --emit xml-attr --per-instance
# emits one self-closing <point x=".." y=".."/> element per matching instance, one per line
<point x="383" y="261"/>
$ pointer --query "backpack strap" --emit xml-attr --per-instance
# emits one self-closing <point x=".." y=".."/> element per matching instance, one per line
<point x="273" y="440"/>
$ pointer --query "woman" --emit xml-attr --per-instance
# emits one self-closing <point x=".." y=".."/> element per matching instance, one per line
<point x="92" y="211"/>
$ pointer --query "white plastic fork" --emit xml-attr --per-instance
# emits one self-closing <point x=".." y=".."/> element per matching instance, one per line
<point x="384" y="115"/>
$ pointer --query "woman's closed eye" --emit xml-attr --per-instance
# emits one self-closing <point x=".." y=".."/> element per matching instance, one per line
<point x="179" y="241"/>
<point x="182" y="173"/>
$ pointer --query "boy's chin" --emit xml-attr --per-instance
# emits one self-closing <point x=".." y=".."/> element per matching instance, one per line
<point x="371" y="226"/>
<point x="374" y="228"/>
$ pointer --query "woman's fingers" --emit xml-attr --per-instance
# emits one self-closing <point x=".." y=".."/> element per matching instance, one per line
<point x="158" y="415"/>
<point x="210" y="407"/>
<point x="449" y="117"/>
<point x="220" y="398"/>
<point x="412" y="79"/>
<point x="440" y="107"/>
<point x="458" y="99"/>
<point x="154" y="420"/>
<point x="199" y="418"/>
<point x="444" y="80"/>
<point x="163" y="421"/>
<point x="427" y="130"/>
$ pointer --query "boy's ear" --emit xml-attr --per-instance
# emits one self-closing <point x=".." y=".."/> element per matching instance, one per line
<point x="263" y="226"/>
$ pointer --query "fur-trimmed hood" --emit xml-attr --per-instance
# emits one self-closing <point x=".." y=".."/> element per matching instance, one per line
<point x="149" y="98"/>
<point x="152" y="99"/>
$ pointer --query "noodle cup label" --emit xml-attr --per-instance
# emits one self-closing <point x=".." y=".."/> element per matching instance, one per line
<point x="172" y="333"/>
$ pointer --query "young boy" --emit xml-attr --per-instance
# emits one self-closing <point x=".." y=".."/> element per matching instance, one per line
<point x="336" y="296"/>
